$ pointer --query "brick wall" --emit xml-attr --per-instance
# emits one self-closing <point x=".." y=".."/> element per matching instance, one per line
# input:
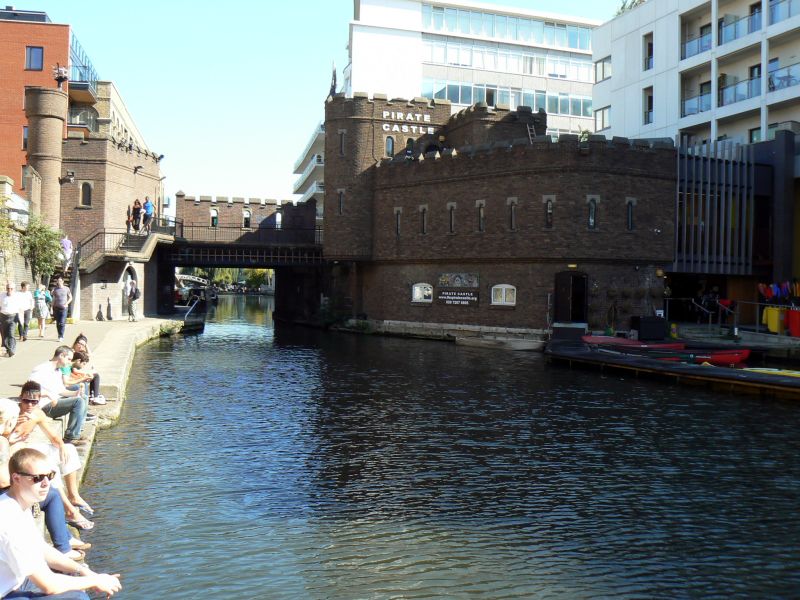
<point x="196" y="210"/>
<point x="15" y="36"/>
<point x="498" y="178"/>
<point x="108" y="169"/>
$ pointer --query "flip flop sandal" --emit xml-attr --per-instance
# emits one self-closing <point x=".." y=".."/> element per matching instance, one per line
<point x="85" y="508"/>
<point x="82" y="524"/>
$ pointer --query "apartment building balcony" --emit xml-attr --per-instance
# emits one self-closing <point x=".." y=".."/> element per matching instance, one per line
<point x="82" y="75"/>
<point x="732" y="28"/>
<point x="739" y="91"/>
<point x="314" y="171"/>
<point x="785" y="9"/>
<point x="315" y="145"/>
<point x="696" y="104"/>
<point x="695" y="45"/>
<point x="315" y="190"/>
<point x="786" y="77"/>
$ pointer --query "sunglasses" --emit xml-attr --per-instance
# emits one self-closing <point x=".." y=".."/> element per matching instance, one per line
<point x="39" y="478"/>
<point x="30" y="400"/>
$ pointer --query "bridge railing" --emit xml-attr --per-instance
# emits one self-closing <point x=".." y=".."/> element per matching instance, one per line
<point x="167" y="225"/>
<point x="262" y="235"/>
<point x="100" y="241"/>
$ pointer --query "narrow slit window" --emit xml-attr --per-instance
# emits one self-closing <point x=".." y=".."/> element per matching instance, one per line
<point x="452" y="219"/>
<point x="548" y="214"/>
<point x="481" y="218"/>
<point x="512" y="216"/>
<point x="592" y="217"/>
<point x="423" y="221"/>
<point x="629" y="216"/>
<point x="341" y="202"/>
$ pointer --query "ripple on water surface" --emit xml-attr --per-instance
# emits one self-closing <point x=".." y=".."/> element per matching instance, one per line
<point x="310" y="465"/>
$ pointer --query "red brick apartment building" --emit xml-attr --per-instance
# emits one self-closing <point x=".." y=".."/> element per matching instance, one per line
<point x="30" y="47"/>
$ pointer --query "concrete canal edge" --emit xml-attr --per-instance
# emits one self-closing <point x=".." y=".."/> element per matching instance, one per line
<point x="115" y="359"/>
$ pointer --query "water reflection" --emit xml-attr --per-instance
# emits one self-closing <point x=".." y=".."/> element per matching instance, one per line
<point x="310" y="465"/>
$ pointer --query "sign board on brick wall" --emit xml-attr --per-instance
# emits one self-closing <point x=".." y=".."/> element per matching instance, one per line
<point x="457" y="297"/>
<point x="458" y="280"/>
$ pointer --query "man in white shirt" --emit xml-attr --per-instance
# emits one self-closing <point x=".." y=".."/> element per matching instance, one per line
<point x="26" y="561"/>
<point x="11" y="310"/>
<point x="26" y="300"/>
<point x="57" y="400"/>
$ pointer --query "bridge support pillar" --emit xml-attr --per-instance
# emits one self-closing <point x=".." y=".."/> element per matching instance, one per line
<point x="165" y="283"/>
<point x="297" y="293"/>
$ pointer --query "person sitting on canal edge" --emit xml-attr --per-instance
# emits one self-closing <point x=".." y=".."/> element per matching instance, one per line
<point x="133" y="296"/>
<point x="80" y="348"/>
<point x="61" y="455"/>
<point x="62" y="298"/>
<point x="11" y="311"/>
<point x="61" y="400"/>
<point x="29" y="568"/>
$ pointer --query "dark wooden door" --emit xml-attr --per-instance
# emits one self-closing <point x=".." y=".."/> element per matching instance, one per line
<point x="570" y="301"/>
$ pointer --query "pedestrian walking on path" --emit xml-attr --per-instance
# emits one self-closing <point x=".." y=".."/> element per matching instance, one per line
<point x="41" y="307"/>
<point x="133" y="296"/>
<point x="11" y="310"/>
<point x="62" y="298"/>
<point x="27" y="310"/>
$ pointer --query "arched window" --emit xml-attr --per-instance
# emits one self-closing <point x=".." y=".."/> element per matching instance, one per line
<point x="278" y="220"/>
<point x="246" y="219"/>
<point x="504" y="295"/>
<point x="86" y="194"/>
<point x="214" y="218"/>
<point x="389" y="146"/>
<point x="422" y="292"/>
<point x="592" y="220"/>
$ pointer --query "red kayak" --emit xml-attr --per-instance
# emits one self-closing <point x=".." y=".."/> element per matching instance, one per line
<point x="608" y="340"/>
<point x="720" y="357"/>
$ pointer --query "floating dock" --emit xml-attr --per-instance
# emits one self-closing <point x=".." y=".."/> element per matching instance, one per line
<point x="719" y="378"/>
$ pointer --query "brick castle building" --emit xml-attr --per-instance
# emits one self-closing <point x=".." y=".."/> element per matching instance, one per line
<point x="480" y="219"/>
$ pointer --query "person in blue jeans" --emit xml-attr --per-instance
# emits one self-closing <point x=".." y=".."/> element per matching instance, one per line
<point x="59" y="400"/>
<point x="29" y="568"/>
<point x="62" y="298"/>
<point x="149" y="213"/>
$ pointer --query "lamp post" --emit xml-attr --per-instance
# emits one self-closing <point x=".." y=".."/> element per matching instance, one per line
<point x="60" y="74"/>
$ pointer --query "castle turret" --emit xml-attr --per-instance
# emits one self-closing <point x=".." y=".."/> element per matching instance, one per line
<point x="46" y="109"/>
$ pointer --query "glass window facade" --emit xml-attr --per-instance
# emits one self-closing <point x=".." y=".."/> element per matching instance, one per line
<point x="505" y="27"/>
<point x="467" y="94"/>
<point x="441" y="50"/>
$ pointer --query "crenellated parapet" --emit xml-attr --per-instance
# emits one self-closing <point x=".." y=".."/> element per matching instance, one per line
<point x="654" y="157"/>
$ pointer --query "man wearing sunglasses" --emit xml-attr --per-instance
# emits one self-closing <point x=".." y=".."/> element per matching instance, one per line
<point x="27" y="564"/>
<point x="60" y="453"/>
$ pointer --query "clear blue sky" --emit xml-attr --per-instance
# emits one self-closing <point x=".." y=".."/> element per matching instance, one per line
<point x="230" y="91"/>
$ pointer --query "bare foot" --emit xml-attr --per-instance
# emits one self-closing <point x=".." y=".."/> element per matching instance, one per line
<point x="79" y="503"/>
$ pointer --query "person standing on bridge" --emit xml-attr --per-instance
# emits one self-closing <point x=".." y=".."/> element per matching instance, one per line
<point x="149" y="213"/>
<point x="136" y="215"/>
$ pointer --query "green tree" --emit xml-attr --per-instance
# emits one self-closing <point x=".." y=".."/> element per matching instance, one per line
<point x="7" y="232"/>
<point x="255" y="277"/>
<point x="41" y="247"/>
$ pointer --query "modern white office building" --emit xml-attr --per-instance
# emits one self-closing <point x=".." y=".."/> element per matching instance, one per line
<point x="465" y="52"/>
<point x="704" y="69"/>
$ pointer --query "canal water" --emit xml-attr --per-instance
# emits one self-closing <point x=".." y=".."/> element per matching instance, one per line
<point x="254" y="461"/>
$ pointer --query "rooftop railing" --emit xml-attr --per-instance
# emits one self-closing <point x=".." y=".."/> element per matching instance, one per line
<point x="748" y="88"/>
<point x="696" y="104"/>
<point x="81" y="68"/>
<point x="696" y="45"/>
<point x="318" y="160"/>
<point x="780" y="11"/>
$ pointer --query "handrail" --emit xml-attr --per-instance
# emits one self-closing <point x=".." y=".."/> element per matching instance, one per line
<point x="257" y="235"/>
<point x="191" y="308"/>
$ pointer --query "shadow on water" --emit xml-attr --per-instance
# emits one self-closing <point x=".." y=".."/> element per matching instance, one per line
<point x="305" y="464"/>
